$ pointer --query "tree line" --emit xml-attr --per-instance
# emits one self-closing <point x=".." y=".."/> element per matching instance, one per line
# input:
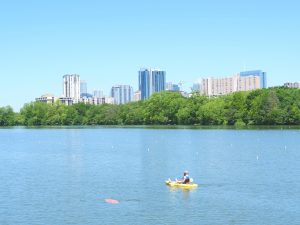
<point x="272" y="106"/>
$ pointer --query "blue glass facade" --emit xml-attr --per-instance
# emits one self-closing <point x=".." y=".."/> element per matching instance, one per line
<point x="175" y="87"/>
<point x="158" y="81"/>
<point x="151" y="81"/>
<point x="260" y="73"/>
<point x="86" y="95"/>
<point x="144" y="83"/>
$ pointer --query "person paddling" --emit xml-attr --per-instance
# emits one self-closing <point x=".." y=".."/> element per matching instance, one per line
<point x="185" y="179"/>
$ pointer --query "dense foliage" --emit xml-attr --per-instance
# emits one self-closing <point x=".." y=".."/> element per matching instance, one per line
<point x="273" y="106"/>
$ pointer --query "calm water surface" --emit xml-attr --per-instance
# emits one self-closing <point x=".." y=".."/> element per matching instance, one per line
<point x="62" y="176"/>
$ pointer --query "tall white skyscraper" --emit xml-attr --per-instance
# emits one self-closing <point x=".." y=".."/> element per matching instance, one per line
<point x="71" y="87"/>
<point x="122" y="94"/>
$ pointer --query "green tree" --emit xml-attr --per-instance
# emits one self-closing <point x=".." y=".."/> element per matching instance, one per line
<point x="34" y="114"/>
<point x="261" y="107"/>
<point x="265" y="108"/>
<point x="235" y="108"/>
<point x="213" y="113"/>
<point x="132" y="113"/>
<point x="7" y="116"/>
<point x="162" y="107"/>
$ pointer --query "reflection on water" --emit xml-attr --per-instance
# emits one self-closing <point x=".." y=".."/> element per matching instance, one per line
<point x="185" y="192"/>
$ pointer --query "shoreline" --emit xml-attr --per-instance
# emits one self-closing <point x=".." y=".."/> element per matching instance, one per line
<point x="163" y="127"/>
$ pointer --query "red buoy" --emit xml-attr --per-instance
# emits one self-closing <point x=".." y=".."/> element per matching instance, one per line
<point x="111" y="201"/>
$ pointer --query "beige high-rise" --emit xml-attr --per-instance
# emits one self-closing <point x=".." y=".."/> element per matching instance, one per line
<point x="221" y="86"/>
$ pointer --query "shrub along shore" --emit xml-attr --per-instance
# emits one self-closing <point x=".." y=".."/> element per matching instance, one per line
<point x="272" y="106"/>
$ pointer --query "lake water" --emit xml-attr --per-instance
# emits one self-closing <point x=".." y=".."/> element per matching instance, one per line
<point x="62" y="176"/>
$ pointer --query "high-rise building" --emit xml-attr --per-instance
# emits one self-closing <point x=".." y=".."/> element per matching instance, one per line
<point x="244" y="81"/>
<point x="256" y="73"/>
<point x="71" y="87"/>
<point x="158" y="81"/>
<point x="151" y="81"/>
<point x="122" y="94"/>
<point x="218" y="86"/>
<point x="83" y="87"/>
<point x="248" y="83"/>
<point x="144" y="83"/>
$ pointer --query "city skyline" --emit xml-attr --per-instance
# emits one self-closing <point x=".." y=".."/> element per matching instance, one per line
<point x="154" y="80"/>
<point x="106" y="42"/>
<point x="69" y="90"/>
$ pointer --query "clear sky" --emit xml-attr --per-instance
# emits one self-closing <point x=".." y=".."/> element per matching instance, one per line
<point x="107" y="42"/>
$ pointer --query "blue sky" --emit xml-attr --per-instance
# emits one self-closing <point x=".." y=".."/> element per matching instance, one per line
<point x="106" y="42"/>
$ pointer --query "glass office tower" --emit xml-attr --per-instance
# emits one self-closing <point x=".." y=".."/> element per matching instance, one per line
<point x="158" y="80"/>
<point x="144" y="83"/>
<point x="151" y="81"/>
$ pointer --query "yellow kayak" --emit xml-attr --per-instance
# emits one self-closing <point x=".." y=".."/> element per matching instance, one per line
<point x="179" y="185"/>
